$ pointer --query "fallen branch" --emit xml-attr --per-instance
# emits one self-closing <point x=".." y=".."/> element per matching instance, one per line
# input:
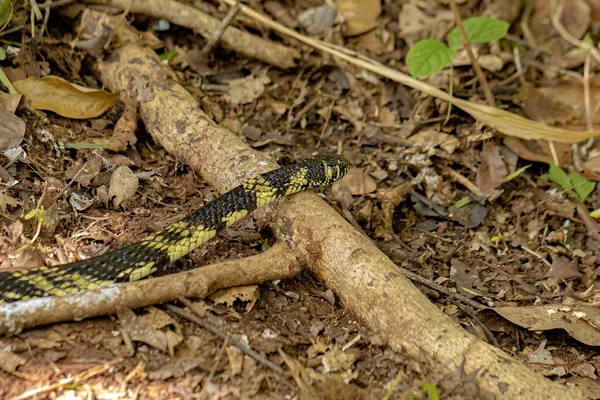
<point x="233" y="38"/>
<point x="276" y="263"/>
<point x="366" y="281"/>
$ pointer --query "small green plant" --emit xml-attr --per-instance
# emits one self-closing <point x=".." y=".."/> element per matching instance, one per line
<point x="429" y="56"/>
<point x="428" y="389"/>
<point x="575" y="185"/>
<point x="168" y="56"/>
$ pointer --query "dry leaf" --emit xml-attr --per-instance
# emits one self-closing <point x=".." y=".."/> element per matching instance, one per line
<point x="336" y="360"/>
<point x="236" y="360"/>
<point x="428" y="138"/>
<point x="582" y="322"/>
<point x="10" y="101"/>
<point x="159" y="319"/>
<point x="246" y="90"/>
<point x="124" y="133"/>
<point x="415" y="24"/>
<point x="357" y="181"/>
<point x="9" y="362"/>
<point x="6" y="200"/>
<point x="84" y="173"/>
<point x="55" y="94"/>
<point x="139" y="330"/>
<point x="563" y="268"/>
<point x="178" y="368"/>
<point x="249" y="293"/>
<point x="492" y="170"/>
<point x="12" y="129"/>
<point x="317" y="19"/>
<point x="123" y="185"/>
<point x="360" y="15"/>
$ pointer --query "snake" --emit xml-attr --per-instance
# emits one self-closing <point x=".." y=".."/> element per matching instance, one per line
<point x="156" y="252"/>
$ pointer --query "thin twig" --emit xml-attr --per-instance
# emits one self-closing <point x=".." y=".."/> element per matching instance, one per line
<point x="212" y="329"/>
<point x="326" y="123"/>
<point x="212" y="42"/>
<point x="586" y="92"/>
<point x="537" y="255"/>
<point x="489" y="97"/>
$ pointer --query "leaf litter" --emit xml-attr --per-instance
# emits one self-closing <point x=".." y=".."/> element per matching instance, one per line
<point x="437" y="194"/>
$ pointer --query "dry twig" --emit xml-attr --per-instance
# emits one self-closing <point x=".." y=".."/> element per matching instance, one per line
<point x="489" y="97"/>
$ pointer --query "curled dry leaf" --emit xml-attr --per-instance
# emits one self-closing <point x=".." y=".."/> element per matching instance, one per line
<point x="68" y="100"/>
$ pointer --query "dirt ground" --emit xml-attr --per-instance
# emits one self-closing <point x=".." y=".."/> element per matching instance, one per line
<point x="475" y="219"/>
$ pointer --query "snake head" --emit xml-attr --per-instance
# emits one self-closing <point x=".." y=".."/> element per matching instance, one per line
<point x="324" y="169"/>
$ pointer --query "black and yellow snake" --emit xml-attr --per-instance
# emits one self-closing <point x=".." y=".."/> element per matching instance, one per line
<point x="154" y="253"/>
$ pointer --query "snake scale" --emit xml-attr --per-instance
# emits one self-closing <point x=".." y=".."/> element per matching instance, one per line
<point x="154" y="253"/>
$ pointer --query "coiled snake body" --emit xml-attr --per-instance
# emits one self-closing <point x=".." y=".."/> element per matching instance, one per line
<point x="155" y="252"/>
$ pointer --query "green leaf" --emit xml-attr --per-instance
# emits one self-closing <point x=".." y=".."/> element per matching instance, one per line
<point x="2" y="54"/>
<point x="558" y="175"/>
<point x="479" y="30"/>
<point x="428" y="56"/>
<point x="168" y="56"/>
<point x="582" y="186"/>
<point x="39" y="214"/>
<point x="4" y="11"/>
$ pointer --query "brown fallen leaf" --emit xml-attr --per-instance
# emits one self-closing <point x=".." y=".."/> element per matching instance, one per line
<point x="563" y="268"/>
<point x="9" y="362"/>
<point x="10" y="101"/>
<point x="357" y="181"/>
<point x="580" y="321"/>
<point x="317" y="19"/>
<point x="491" y="172"/>
<point x="124" y="133"/>
<point x="12" y="129"/>
<point x="6" y="201"/>
<point x="84" y="173"/>
<point x="360" y="15"/>
<point x="179" y="368"/>
<point x="553" y="105"/>
<point x="123" y="185"/>
<point x="68" y="100"/>
<point x="249" y="293"/>
<point x="139" y="330"/>
<point x="246" y="90"/>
